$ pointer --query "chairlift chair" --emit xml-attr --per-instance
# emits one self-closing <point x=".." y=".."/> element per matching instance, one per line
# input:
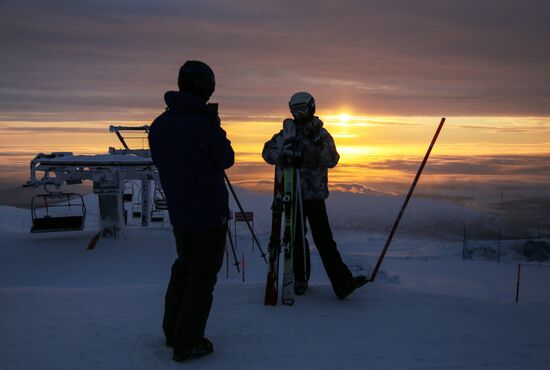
<point x="157" y="216"/>
<point x="160" y="200"/>
<point x="128" y="192"/>
<point x="136" y="210"/>
<point x="57" y="211"/>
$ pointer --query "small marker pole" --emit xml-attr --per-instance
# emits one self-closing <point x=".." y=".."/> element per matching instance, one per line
<point x="499" y="239"/>
<point x="464" y="241"/>
<point x="235" y="234"/>
<point x="245" y="218"/>
<point x="243" y="267"/>
<point x="233" y="250"/>
<point x="517" y="284"/>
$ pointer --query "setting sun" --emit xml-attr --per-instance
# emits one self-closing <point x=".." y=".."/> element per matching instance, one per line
<point x="344" y="117"/>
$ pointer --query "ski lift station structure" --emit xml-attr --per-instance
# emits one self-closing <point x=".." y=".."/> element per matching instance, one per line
<point x="112" y="174"/>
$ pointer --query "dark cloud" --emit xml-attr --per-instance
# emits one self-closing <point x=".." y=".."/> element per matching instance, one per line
<point x="396" y="57"/>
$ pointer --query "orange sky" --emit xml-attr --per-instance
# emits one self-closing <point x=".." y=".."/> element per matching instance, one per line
<point x="376" y="152"/>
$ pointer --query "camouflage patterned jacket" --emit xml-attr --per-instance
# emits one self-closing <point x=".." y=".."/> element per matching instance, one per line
<point x="319" y="154"/>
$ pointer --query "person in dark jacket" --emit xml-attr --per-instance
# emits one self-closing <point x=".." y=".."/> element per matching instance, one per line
<point x="312" y="151"/>
<point x="191" y="152"/>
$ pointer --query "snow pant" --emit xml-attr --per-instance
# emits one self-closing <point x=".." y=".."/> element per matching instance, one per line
<point x="315" y="212"/>
<point x="189" y="294"/>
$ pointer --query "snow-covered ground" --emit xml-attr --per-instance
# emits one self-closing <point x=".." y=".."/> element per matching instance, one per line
<point x="64" y="307"/>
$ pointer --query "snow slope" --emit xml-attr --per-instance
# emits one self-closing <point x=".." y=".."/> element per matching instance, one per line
<point x="63" y="307"/>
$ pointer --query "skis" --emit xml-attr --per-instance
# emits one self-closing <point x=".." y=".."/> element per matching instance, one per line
<point x="289" y="176"/>
<point x="271" y="288"/>
<point x="283" y="201"/>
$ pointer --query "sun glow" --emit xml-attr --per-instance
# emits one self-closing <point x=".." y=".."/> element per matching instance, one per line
<point x="344" y="117"/>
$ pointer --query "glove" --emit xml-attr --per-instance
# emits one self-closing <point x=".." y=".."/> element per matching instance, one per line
<point x="312" y="130"/>
<point x="292" y="156"/>
<point x="212" y="109"/>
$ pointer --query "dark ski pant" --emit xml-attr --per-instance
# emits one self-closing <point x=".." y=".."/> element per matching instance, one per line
<point x="315" y="212"/>
<point x="189" y="295"/>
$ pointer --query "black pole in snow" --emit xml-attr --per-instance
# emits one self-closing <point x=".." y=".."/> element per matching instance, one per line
<point x="245" y="218"/>
<point x="464" y="241"/>
<point x="233" y="249"/>
<point x="398" y="219"/>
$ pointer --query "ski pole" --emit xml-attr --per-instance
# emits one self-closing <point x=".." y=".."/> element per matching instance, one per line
<point x="245" y="218"/>
<point x="302" y="218"/>
<point x="398" y="219"/>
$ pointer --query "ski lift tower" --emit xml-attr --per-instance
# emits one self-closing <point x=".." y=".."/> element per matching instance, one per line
<point x="109" y="172"/>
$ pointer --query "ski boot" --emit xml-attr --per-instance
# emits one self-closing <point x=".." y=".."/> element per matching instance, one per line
<point x="346" y="289"/>
<point x="300" y="287"/>
<point x="204" y="348"/>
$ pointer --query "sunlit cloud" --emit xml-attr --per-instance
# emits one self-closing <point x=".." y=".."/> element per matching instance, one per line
<point x="345" y="136"/>
<point x="57" y="129"/>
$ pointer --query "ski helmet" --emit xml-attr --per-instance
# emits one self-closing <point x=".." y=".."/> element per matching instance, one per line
<point x="197" y="78"/>
<point x="302" y="106"/>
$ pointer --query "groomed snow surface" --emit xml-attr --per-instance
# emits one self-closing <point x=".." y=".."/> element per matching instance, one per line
<point x="63" y="307"/>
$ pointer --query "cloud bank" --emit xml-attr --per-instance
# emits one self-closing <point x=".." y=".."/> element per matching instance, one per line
<point x="92" y="60"/>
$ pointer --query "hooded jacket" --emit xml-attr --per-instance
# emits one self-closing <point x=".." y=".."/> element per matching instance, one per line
<point x="319" y="154"/>
<point x="191" y="152"/>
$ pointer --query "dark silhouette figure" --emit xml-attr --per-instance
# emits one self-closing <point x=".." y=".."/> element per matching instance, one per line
<point x="191" y="152"/>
